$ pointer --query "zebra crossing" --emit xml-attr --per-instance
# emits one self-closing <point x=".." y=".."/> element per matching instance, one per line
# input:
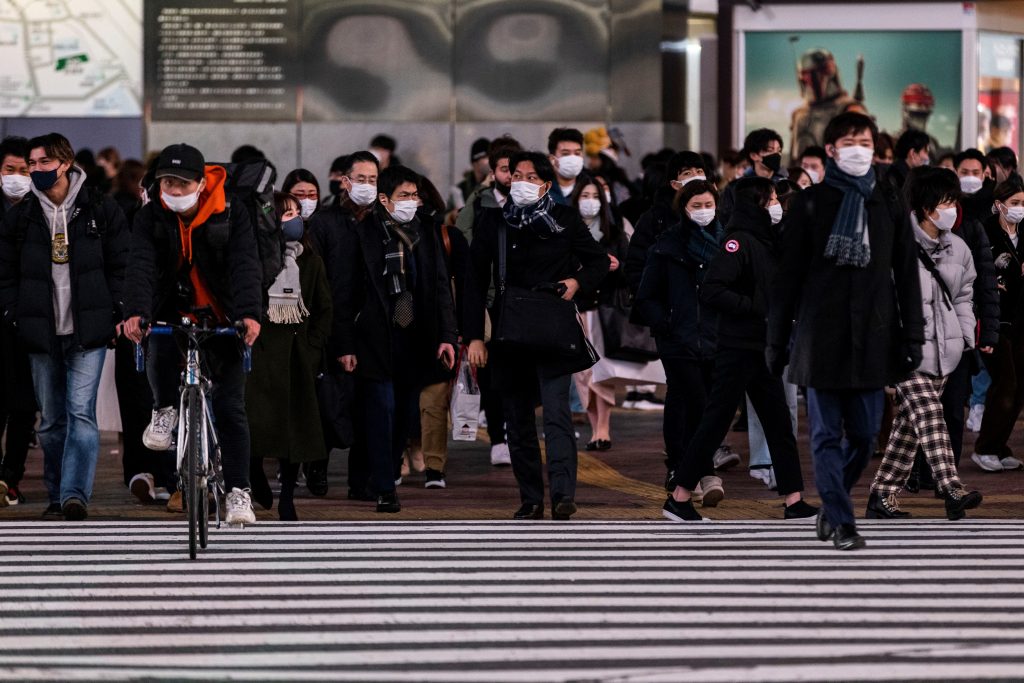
<point x="496" y="601"/>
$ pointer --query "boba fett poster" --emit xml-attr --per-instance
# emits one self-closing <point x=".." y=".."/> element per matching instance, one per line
<point x="796" y="82"/>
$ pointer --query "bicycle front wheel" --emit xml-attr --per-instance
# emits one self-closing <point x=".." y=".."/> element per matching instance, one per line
<point x="195" y="494"/>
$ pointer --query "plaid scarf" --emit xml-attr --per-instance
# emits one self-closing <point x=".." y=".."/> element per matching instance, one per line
<point x="537" y="216"/>
<point x="849" y="244"/>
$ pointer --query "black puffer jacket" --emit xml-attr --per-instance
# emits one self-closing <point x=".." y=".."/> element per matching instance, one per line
<point x="231" y="270"/>
<point x="1008" y="262"/>
<point x="651" y="224"/>
<point x="986" y="293"/>
<point x="99" y="252"/>
<point x="739" y="277"/>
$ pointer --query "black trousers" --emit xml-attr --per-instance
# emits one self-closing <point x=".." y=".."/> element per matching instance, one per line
<point x="954" y="398"/>
<point x="492" y="405"/>
<point x="687" y="382"/>
<point x="737" y="371"/>
<point x="559" y="438"/>
<point x="17" y="406"/>
<point x="134" y="400"/>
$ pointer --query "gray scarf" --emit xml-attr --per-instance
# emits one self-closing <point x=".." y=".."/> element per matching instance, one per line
<point x="286" y="306"/>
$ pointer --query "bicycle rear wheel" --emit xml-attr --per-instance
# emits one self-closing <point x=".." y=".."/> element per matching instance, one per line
<point x="195" y="498"/>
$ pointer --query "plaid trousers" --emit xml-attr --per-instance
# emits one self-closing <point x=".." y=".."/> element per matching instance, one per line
<point x="919" y="422"/>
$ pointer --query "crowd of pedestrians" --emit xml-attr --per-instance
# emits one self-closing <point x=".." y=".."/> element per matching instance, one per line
<point x="888" y="293"/>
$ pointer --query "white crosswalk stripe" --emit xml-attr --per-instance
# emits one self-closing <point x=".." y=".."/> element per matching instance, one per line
<point x="495" y="601"/>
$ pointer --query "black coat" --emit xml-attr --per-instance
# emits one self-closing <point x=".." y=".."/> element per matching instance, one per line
<point x="668" y="300"/>
<point x="615" y="280"/>
<point x="332" y="232"/>
<point x="233" y="273"/>
<point x="651" y="224"/>
<point x="978" y="206"/>
<point x="1008" y="261"/>
<point x="986" y="292"/>
<point x="98" y="236"/>
<point x="367" y="306"/>
<point x="739" y="278"/>
<point x="853" y="324"/>
<point x="532" y="260"/>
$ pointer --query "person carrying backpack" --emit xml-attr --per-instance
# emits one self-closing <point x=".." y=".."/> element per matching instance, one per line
<point x="192" y="250"/>
<point x="62" y="259"/>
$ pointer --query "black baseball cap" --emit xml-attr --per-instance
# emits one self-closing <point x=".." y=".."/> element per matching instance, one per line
<point x="181" y="161"/>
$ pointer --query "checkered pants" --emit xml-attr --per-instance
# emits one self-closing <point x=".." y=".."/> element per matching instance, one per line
<point x="918" y="423"/>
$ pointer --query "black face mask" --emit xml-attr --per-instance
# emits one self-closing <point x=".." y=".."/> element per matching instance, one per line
<point x="773" y="162"/>
<point x="334" y="186"/>
<point x="44" y="180"/>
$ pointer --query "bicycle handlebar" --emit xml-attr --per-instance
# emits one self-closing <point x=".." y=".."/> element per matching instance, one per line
<point x="162" y="329"/>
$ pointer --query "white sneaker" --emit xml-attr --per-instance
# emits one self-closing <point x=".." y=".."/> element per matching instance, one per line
<point x="648" y="405"/>
<point x="1011" y="463"/>
<point x="162" y="494"/>
<point x="713" y="491"/>
<point x="989" y="463"/>
<point x="762" y="474"/>
<point x="974" y="417"/>
<point x="142" y="488"/>
<point x="159" y="434"/>
<point x="725" y="458"/>
<point x="500" y="455"/>
<point x="239" y="506"/>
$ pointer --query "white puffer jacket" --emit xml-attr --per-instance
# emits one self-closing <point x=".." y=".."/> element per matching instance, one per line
<point x="948" y="326"/>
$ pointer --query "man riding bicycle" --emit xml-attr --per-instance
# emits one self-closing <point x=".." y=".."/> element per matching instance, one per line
<point x="191" y="251"/>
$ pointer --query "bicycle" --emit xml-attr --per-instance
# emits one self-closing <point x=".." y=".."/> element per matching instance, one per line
<point x="199" y="469"/>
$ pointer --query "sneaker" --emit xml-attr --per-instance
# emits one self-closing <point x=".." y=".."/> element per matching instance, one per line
<point x="74" y="510"/>
<point x="958" y="501"/>
<point x="713" y="491"/>
<point x="649" y="404"/>
<point x="159" y="434"/>
<point x="13" y="496"/>
<point x="989" y="463"/>
<point x="161" y="494"/>
<point x="1011" y="463"/>
<point x="435" y="479"/>
<point x="239" y="506"/>
<point x="175" y="503"/>
<point x="631" y="398"/>
<point x="725" y="458"/>
<point x="680" y="512"/>
<point x="765" y="475"/>
<point x="500" y="455"/>
<point x="52" y="511"/>
<point x="800" y="510"/>
<point x="974" y="417"/>
<point x="3" y="494"/>
<point x="142" y="487"/>
<point x="884" y="507"/>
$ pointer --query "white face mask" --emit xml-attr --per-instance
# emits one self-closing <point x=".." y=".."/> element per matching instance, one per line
<point x="702" y="217"/>
<point x="570" y="166"/>
<point x="16" y="185"/>
<point x="524" y="193"/>
<point x="775" y="211"/>
<point x="362" y="194"/>
<point x="855" y="161"/>
<point x="589" y="208"/>
<point x="815" y="178"/>
<point x="685" y="181"/>
<point x="946" y="219"/>
<point x="307" y="207"/>
<point x="1012" y="214"/>
<point x="970" y="183"/>
<point x="405" y="210"/>
<point x="180" y="204"/>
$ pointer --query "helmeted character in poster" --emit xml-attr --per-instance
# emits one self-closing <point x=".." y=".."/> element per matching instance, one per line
<point x="916" y="105"/>
<point x="824" y="98"/>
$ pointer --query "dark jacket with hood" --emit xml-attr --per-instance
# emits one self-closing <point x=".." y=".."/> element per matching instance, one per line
<point x="1008" y="263"/>
<point x="986" y="291"/>
<point x="668" y="300"/>
<point x="739" y="279"/>
<point x="652" y="223"/>
<point x="98" y="240"/>
<point x="217" y="250"/>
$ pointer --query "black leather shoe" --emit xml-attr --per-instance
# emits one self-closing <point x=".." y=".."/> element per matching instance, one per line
<point x="680" y="512"/>
<point x="388" y="502"/>
<point x="822" y="527"/>
<point x="529" y="511"/>
<point x="847" y="538"/>
<point x="75" y="510"/>
<point x="800" y="510"/>
<point x="563" y="509"/>
<point x="53" y="511"/>
<point x="957" y="502"/>
<point x="316" y="477"/>
<point x="884" y="508"/>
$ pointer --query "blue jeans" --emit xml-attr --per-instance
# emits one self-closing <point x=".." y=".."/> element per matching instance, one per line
<point x="66" y="384"/>
<point x="979" y="387"/>
<point x="844" y="426"/>
<point x="759" y="454"/>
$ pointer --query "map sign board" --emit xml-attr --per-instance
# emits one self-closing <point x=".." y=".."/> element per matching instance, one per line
<point x="70" y="58"/>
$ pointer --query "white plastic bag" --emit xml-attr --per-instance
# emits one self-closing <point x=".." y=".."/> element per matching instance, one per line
<point x="465" y="406"/>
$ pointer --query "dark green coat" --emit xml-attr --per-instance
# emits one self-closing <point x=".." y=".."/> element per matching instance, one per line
<point x="280" y="394"/>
